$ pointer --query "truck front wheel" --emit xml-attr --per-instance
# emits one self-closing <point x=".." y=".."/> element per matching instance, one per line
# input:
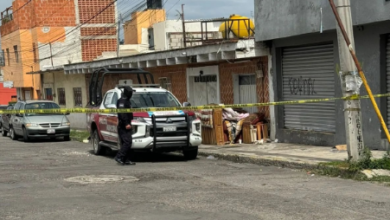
<point x="97" y="149"/>
<point x="190" y="154"/>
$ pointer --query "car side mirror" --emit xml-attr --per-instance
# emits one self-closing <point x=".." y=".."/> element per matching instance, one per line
<point x="186" y="104"/>
<point x="111" y="106"/>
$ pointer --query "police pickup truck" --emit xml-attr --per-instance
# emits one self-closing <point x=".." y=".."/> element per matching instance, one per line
<point x="162" y="131"/>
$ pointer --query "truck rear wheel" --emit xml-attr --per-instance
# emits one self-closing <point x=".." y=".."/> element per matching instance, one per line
<point x="97" y="148"/>
<point x="190" y="154"/>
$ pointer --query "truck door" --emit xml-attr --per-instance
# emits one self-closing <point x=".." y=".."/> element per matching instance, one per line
<point x="103" y="116"/>
<point x="112" y="121"/>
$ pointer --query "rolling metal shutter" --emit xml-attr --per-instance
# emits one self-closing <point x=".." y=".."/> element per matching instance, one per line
<point x="309" y="73"/>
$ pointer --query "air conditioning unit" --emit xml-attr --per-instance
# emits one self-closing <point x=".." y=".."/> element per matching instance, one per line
<point x="126" y="82"/>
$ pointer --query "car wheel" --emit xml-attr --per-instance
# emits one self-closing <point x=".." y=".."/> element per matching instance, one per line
<point x="190" y="154"/>
<point x="25" y="135"/>
<point x="97" y="149"/>
<point x="12" y="134"/>
<point x="4" y="132"/>
<point x="67" y="138"/>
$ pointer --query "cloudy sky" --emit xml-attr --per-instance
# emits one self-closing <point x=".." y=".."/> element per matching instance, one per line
<point x="194" y="9"/>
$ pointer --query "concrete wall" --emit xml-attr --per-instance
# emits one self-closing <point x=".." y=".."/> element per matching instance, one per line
<point x="160" y="36"/>
<point x="64" y="51"/>
<point x="280" y="19"/>
<point x="370" y="50"/>
<point x="162" y="32"/>
<point x="57" y="80"/>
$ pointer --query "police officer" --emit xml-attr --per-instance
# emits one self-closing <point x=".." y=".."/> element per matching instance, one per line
<point x="124" y="127"/>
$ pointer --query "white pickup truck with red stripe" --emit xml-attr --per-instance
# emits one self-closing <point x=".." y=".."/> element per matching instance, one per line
<point x="152" y="131"/>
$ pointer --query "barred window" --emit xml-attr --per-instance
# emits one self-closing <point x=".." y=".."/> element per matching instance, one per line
<point x="8" y="58"/>
<point x="210" y="78"/>
<point x="16" y="54"/>
<point x="2" y="60"/>
<point x="61" y="96"/>
<point x="48" y="94"/>
<point x="78" y="101"/>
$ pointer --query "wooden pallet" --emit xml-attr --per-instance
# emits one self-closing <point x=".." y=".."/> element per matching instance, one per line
<point x="214" y="136"/>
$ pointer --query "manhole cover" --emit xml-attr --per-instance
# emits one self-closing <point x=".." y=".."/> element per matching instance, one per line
<point x="101" y="179"/>
<point x="75" y="153"/>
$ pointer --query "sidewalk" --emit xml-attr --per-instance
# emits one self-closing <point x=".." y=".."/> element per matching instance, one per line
<point x="278" y="154"/>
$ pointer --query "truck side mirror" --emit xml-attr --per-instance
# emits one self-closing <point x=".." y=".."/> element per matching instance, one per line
<point x="111" y="106"/>
<point x="186" y="104"/>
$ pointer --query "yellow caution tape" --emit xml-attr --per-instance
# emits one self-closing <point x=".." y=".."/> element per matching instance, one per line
<point x="92" y="110"/>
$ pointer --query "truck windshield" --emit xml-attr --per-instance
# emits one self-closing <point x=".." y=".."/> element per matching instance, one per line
<point x="41" y="105"/>
<point x="153" y="99"/>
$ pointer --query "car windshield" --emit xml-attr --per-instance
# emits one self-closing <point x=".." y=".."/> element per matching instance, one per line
<point x="153" y="99"/>
<point x="41" y="105"/>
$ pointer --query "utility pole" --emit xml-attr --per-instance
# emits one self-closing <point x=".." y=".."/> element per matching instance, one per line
<point x="184" y="26"/>
<point x="51" y="55"/>
<point x="118" y="34"/>
<point x="349" y="84"/>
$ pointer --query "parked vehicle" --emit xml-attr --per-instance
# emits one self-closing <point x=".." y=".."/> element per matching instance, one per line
<point x="152" y="131"/>
<point x="2" y="107"/>
<point x="5" y="118"/>
<point x="33" y="125"/>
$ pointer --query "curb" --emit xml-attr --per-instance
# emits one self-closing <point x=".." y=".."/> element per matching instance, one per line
<point x="260" y="161"/>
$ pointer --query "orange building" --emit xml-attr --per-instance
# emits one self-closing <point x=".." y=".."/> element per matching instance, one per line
<point x="40" y="35"/>
<point x="136" y="29"/>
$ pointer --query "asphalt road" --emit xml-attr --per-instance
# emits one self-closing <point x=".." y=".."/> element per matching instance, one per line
<point x="62" y="180"/>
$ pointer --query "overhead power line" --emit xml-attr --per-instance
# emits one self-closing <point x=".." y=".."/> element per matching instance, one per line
<point x="99" y="33"/>
<point x="77" y="27"/>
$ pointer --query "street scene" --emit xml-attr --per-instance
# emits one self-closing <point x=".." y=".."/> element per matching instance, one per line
<point x="64" y="180"/>
<point x="181" y="109"/>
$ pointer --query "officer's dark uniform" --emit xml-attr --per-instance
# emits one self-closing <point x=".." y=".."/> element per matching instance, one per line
<point x="125" y="135"/>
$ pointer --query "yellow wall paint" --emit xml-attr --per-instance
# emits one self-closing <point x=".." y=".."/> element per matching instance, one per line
<point x="24" y="39"/>
<point x="31" y="81"/>
<point x="143" y="19"/>
<point x="17" y="71"/>
<point x="52" y="35"/>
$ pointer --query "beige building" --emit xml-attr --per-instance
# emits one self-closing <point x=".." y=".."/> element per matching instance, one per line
<point x="69" y="91"/>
